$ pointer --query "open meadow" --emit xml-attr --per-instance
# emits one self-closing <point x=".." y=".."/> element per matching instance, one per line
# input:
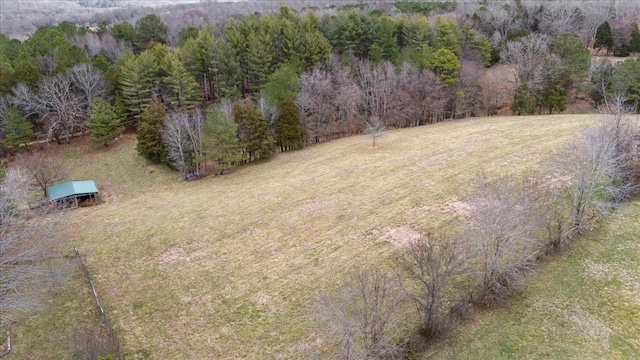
<point x="226" y="267"/>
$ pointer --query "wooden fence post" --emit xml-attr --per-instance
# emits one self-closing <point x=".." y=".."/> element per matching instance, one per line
<point x="103" y="314"/>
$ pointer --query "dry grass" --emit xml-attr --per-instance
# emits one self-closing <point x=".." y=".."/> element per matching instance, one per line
<point x="224" y="267"/>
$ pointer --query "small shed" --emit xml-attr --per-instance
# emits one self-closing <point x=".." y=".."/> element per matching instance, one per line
<point x="73" y="191"/>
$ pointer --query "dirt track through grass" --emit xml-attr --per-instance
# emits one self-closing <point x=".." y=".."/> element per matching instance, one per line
<point x="224" y="267"/>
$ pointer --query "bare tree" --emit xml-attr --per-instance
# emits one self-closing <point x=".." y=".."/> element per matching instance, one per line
<point x="5" y="104"/>
<point x="374" y="128"/>
<point x="270" y="112"/>
<point x="330" y="103"/>
<point x="558" y="17"/>
<point x="469" y="101"/>
<point x="174" y="135"/>
<point x="430" y="269"/>
<point x="315" y="102"/>
<point x="195" y="134"/>
<point x="415" y="97"/>
<point x="61" y="109"/>
<point x="361" y="315"/>
<point x="226" y="105"/>
<point x="89" y="42"/>
<point x="377" y="83"/>
<point x="112" y="48"/>
<point x="505" y="215"/>
<point x="526" y="57"/>
<point x="25" y="99"/>
<point x="47" y="64"/>
<point x="43" y="172"/>
<point x="182" y="135"/>
<point x="90" y="81"/>
<point x="431" y="97"/>
<point x="347" y="101"/>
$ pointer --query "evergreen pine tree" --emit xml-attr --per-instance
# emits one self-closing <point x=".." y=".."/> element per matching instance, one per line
<point x="220" y="140"/>
<point x="604" y="37"/>
<point x="184" y="90"/>
<point x="137" y="81"/>
<point x="149" y="31"/>
<point x="229" y="73"/>
<point x="26" y="71"/>
<point x="149" y="132"/>
<point x="258" y="61"/>
<point x="20" y="131"/>
<point x="124" y="31"/>
<point x="289" y="130"/>
<point x="253" y="131"/>
<point x="634" y="42"/>
<point x="199" y="58"/>
<point x="282" y="84"/>
<point x="445" y="64"/>
<point x="6" y="76"/>
<point x="104" y="122"/>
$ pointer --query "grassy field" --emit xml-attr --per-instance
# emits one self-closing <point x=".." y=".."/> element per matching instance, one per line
<point x="224" y="267"/>
<point x="584" y="305"/>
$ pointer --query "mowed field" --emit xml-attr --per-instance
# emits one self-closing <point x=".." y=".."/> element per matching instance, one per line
<point x="226" y="267"/>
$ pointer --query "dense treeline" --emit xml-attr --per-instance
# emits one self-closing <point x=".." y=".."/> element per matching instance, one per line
<point x="405" y="64"/>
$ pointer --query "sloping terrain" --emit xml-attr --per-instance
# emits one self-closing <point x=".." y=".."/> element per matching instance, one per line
<point x="225" y="267"/>
<point x="584" y="305"/>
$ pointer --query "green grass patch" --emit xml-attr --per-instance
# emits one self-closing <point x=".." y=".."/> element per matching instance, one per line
<point x="584" y="305"/>
<point x="46" y="335"/>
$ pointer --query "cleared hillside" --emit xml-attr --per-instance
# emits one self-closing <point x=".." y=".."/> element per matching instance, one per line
<point x="224" y="267"/>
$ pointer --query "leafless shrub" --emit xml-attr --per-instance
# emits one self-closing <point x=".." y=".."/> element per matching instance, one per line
<point x="603" y="164"/>
<point x="557" y="224"/>
<point x="430" y="270"/>
<point x="505" y="215"/>
<point x="623" y="131"/>
<point x="361" y="315"/>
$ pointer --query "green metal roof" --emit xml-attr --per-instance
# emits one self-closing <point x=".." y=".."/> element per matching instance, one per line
<point x="72" y="188"/>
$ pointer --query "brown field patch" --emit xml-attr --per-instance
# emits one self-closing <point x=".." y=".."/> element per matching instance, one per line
<point x="239" y="257"/>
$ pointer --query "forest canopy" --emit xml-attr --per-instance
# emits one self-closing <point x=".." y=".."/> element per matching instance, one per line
<point x="403" y="63"/>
